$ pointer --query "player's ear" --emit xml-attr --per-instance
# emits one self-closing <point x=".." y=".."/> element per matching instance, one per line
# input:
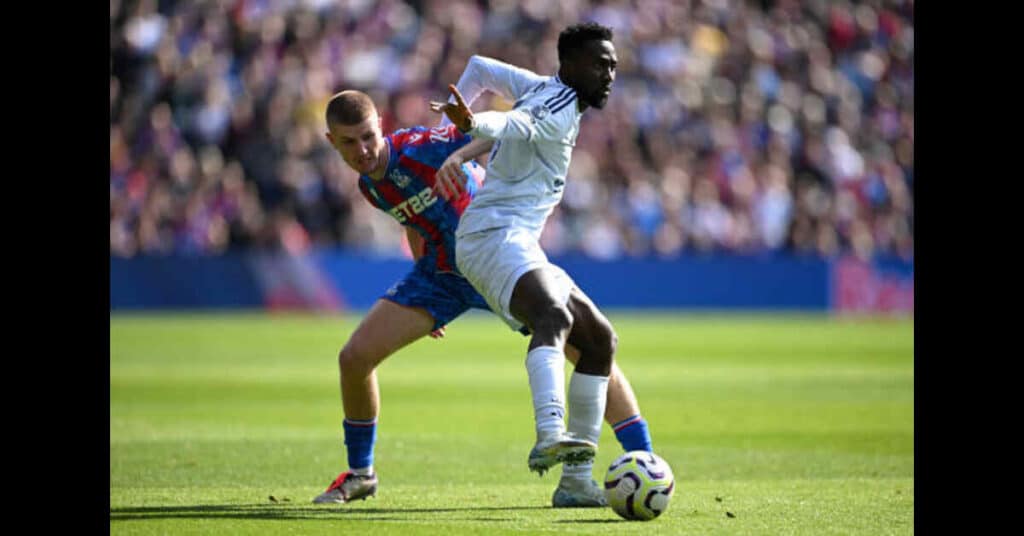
<point x="329" y="137"/>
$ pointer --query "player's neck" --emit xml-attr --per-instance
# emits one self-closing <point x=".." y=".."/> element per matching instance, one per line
<point x="384" y="160"/>
<point x="580" y="105"/>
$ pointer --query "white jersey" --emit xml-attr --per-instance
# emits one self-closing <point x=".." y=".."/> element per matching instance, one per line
<point x="527" y="168"/>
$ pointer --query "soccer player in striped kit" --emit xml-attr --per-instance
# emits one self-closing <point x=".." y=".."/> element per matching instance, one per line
<point x="398" y="176"/>
<point x="497" y="240"/>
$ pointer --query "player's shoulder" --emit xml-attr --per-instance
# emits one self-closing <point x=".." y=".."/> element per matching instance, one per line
<point x="421" y="135"/>
<point x="405" y="135"/>
<point x="551" y="90"/>
<point x="551" y="99"/>
<point x="418" y="136"/>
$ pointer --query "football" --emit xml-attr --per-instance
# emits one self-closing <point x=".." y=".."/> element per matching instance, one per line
<point x="639" y="485"/>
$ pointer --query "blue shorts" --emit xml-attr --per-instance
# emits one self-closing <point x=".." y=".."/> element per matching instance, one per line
<point x="444" y="295"/>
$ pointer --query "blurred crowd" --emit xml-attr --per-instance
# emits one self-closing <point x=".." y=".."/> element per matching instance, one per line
<point x="733" y="126"/>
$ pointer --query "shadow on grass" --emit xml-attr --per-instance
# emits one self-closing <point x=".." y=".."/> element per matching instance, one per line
<point x="289" y="512"/>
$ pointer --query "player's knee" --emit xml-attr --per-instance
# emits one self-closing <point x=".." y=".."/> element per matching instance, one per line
<point x="603" y="342"/>
<point x="355" y="358"/>
<point x="609" y="341"/>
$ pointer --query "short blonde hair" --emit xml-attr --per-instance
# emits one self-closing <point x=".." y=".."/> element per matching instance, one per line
<point x="350" y="107"/>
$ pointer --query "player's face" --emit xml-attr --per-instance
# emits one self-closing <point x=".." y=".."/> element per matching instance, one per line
<point x="360" y="145"/>
<point x="594" y="68"/>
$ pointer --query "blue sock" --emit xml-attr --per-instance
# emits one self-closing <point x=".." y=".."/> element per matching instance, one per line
<point x="360" y="437"/>
<point x="633" y="434"/>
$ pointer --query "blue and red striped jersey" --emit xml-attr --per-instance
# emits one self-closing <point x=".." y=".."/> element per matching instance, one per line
<point x="406" y="189"/>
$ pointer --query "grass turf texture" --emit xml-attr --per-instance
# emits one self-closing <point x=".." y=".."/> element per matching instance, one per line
<point x="773" y="424"/>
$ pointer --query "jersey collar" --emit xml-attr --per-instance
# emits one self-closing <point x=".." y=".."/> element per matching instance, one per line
<point x="577" y="97"/>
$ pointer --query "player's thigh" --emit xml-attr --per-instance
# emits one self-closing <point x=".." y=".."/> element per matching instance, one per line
<point x="385" y="329"/>
<point x="592" y="332"/>
<point x="535" y="292"/>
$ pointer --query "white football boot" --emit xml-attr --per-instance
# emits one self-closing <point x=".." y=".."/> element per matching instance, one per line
<point x="561" y="448"/>
<point x="573" y="493"/>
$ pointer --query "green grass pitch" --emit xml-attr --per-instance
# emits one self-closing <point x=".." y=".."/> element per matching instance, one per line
<point x="229" y="423"/>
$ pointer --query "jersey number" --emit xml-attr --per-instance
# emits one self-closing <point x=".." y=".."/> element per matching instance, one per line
<point x="440" y="135"/>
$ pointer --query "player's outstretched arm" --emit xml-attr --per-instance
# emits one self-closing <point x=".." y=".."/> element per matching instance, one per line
<point x="451" y="178"/>
<point x="537" y="124"/>
<point x="458" y="112"/>
<point x="488" y="74"/>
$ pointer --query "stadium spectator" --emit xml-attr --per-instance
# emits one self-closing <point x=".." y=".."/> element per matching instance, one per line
<point x="796" y="119"/>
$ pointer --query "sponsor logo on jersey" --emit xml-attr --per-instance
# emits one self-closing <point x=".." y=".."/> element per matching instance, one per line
<point x="414" y="205"/>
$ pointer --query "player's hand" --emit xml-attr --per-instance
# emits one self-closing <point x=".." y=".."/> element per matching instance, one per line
<point x="438" y="333"/>
<point x="450" y="178"/>
<point x="459" y="113"/>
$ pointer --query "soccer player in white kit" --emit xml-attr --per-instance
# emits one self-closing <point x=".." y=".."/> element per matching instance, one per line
<point x="497" y="239"/>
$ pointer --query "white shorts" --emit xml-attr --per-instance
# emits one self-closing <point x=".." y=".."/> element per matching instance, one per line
<point x="494" y="259"/>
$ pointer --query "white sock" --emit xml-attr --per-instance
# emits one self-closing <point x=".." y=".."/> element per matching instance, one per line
<point x="545" y="366"/>
<point x="577" y="471"/>
<point x="587" y="400"/>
